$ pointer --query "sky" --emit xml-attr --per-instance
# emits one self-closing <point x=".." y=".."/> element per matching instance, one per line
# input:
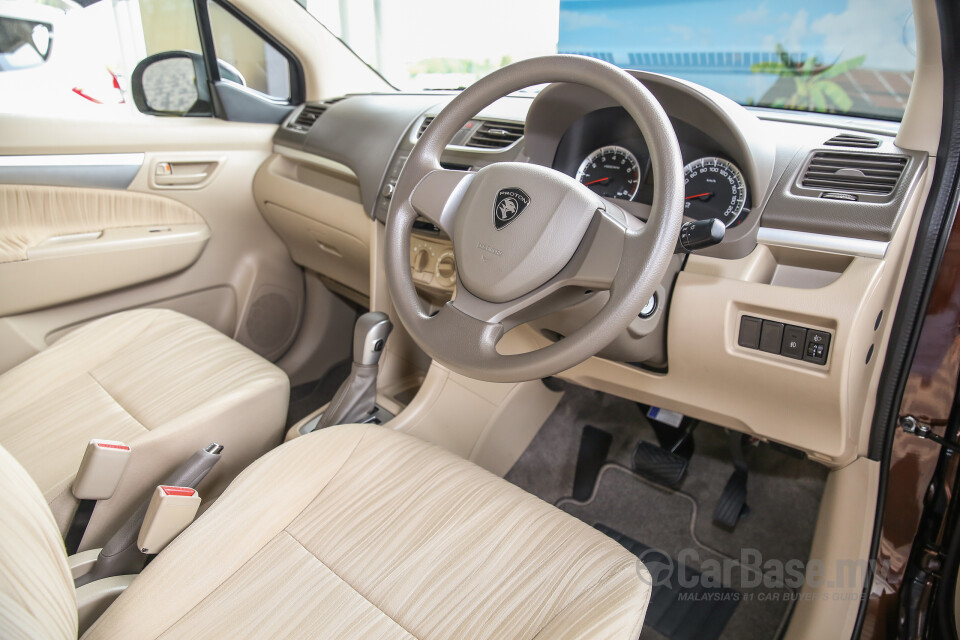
<point x="414" y="30"/>
<point x="833" y="30"/>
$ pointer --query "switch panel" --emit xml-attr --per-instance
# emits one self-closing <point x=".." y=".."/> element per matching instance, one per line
<point x="788" y="340"/>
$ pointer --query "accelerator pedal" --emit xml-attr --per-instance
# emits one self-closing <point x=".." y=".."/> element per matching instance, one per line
<point x="732" y="505"/>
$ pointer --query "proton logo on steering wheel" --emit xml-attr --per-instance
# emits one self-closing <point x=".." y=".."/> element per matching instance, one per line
<point x="508" y="206"/>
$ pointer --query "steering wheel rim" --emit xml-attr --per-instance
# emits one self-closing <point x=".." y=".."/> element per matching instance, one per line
<point x="591" y="246"/>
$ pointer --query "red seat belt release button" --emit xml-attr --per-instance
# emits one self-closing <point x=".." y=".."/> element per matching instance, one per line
<point x="170" y="511"/>
<point x="100" y="469"/>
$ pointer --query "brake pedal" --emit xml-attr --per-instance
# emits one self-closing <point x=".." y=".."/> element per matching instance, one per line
<point x="665" y="463"/>
<point x="659" y="465"/>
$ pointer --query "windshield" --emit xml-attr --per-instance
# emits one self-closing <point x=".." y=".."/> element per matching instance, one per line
<point x="854" y="57"/>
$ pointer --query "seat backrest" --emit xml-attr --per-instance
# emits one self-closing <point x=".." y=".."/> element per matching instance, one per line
<point x="37" y="597"/>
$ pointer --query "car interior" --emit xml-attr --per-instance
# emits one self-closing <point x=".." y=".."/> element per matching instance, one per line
<point x="483" y="363"/>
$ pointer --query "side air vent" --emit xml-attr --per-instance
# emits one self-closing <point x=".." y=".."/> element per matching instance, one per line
<point x="853" y="172"/>
<point x="423" y="126"/>
<point x="849" y="140"/>
<point x="308" y="116"/>
<point x="495" y="134"/>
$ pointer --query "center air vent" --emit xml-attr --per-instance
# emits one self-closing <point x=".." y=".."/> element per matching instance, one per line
<point x="308" y="116"/>
<point x="853" y="172"/>
<point x="423" y="126"/>
<point x="849" y="140"/>
<point x="495" y="134"/>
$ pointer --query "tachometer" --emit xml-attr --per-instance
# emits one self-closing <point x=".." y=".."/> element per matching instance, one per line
<point x="715" y="188"/>
<point x="612" y="172"/>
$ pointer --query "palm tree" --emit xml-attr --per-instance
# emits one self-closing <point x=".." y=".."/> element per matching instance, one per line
<point x="815" y="89"/>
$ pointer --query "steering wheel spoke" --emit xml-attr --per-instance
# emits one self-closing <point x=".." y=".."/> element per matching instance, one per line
<point x="438" y="195"/>
<point x="611" y="235"/>
<point x="458" y="330"/>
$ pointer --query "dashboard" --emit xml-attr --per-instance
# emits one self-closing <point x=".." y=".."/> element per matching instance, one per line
<point x="772" y="332"/>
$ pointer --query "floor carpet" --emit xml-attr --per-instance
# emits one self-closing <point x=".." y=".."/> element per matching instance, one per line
<point x="783" y="494"/>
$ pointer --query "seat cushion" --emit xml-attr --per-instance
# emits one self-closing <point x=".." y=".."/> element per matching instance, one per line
<point x="361" y="532"/>
<point x="37" y="598"/>
<point x="162" y="382"/>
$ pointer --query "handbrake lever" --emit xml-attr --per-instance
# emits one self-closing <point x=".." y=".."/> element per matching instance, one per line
<point x="120" y="555"/>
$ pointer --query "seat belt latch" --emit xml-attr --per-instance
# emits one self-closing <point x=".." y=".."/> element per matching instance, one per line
<point x="170" y="511"/>
<point x="101" y="469"/>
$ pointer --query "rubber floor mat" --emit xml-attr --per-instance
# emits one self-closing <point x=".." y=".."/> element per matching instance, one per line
<point x="682" y="607"/>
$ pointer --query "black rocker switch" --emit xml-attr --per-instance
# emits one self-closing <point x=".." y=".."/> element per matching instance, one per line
<point x="771" y="335"/>
<point x="700" y="235"/>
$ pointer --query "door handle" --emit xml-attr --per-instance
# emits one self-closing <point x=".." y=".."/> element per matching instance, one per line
<point x="181" y="174"/>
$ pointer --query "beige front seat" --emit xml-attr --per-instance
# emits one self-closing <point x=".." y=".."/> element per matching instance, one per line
<point x="162" y="382"/>
<point x="350" y="532"/>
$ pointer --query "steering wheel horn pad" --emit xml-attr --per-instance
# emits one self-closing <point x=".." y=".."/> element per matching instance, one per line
<point x="505" y="247"/>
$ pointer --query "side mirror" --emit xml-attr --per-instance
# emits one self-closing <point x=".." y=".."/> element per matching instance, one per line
<point x="172" y="83"/>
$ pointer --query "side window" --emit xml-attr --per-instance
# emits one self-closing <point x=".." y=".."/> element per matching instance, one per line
<point x="61" y="56"/>
<point x="246" y="58"/>
<point x="169" y="25"/>
<point x="24" y="43"/>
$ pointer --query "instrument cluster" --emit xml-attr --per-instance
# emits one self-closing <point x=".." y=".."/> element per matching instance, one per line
<point x="605" y="151"/>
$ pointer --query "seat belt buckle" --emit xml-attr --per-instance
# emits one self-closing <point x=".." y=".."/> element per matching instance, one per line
<point x="100" y="469"/>
<point x="170" y="511"/>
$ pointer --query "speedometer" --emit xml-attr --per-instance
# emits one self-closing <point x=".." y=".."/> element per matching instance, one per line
<point x="715" y="188"/>
<point x="612" y="172"/>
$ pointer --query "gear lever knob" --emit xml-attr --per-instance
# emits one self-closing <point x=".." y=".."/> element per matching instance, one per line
<point x="370" y="336"/>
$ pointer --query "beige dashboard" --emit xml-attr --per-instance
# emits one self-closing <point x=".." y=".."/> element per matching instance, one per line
<point x="839" y="285"/>
<point x="824" y="411"/>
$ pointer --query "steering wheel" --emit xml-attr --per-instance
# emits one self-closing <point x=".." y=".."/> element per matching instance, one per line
<point x="529" y="240"/>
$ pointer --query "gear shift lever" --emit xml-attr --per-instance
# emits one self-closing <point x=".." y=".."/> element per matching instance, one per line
<point x="357" y="396"/>
<point x="369" y="337"/>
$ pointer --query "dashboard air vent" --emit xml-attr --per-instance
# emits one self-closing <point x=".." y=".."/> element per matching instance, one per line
<point x="423" y="126"/>
<point x="495" y="134"/>
<point x="849" y="140"/>
<point x="308" y="116"/>
<point x="854" y="172"/>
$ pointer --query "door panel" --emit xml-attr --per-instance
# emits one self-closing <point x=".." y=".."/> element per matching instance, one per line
<point x="36" y="219"/>
<point x="233" y="272"/>
<point x="107" y="170"/>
